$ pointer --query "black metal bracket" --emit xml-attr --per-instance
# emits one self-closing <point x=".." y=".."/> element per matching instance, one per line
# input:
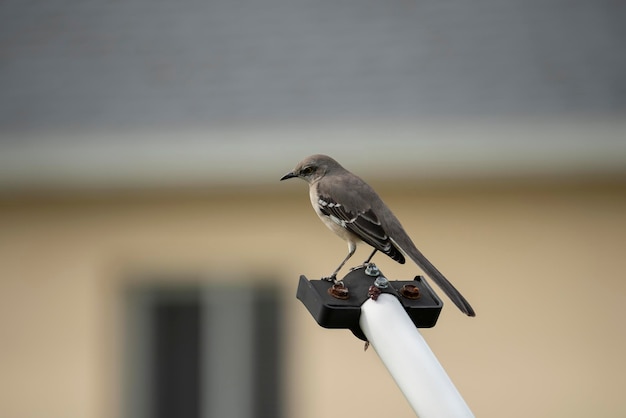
<point x="416" y="296"/>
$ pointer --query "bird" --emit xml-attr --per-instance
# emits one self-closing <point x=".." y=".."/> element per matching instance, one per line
<point x="351" y="208"/>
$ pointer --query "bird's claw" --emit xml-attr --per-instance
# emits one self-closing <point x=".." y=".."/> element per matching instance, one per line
<point x="360" y="266"/>
<point x="332" y="279"/>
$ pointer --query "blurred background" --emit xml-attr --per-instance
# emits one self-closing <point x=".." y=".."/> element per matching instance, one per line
<point x="149" y="256"/>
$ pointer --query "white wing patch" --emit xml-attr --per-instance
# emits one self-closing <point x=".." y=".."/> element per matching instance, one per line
<point x="341" y="222"/>
<point x="333" y="218"/>
<point x="330" y="205"/>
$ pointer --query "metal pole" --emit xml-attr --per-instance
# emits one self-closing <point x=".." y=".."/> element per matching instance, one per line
<point x="410" y="360"/>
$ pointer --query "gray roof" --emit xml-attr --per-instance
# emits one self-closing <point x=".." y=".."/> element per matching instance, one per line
<point x="137" y="63"/>
<point x="148" y="91"/>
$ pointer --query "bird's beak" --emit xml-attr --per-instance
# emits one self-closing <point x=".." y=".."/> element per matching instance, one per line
<point x="289" y="175"/>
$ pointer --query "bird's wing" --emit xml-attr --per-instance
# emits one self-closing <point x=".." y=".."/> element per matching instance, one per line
<point x="364" y="224"/>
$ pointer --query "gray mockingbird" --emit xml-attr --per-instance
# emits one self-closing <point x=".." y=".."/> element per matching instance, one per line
<point x="354" y="211"/>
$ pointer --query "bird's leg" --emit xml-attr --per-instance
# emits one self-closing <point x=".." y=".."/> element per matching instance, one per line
<point x="366" y="262"/>
<point x="333" y="276"/>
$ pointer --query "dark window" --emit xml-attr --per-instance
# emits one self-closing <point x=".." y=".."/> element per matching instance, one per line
<point x="176" y="387"/>
<point x="203" y="352"/>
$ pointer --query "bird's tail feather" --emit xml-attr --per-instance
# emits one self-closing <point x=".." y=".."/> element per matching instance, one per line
<point x="432" y="272"/>
<point x="454" y="295"/>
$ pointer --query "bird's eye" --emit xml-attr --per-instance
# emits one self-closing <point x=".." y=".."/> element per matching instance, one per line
<point x="307" y="171"/>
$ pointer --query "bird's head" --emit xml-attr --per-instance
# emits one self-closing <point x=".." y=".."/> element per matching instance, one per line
<point x="312" y="168"/>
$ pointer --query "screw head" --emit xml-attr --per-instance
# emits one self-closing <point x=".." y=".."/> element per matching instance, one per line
<point x="372" y="270"/>
<point x="381" y="282"/>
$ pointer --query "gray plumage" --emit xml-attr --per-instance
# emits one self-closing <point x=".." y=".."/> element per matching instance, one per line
<point x="354" y="211"/>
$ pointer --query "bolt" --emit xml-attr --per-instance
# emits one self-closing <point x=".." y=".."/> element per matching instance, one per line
<point x="372" y="270"/>
<point x="410" y="291"/>
<point x="373" y="292"/>
<point x="381" y="282"/>
<point x="339" y="291"/>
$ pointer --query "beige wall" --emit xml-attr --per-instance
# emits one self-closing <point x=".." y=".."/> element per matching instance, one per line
<point x="543" y="265"/>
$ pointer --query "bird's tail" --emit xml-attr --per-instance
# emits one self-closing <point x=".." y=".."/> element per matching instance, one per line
<point x="455" y="296"/>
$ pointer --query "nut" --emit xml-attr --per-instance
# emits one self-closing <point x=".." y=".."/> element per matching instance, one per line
<point x="410" y="291"/>
<point x="339" y="291"/>
<point x="373" y="292"/>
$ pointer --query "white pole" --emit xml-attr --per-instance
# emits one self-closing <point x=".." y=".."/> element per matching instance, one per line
<point x="410" y="360"/>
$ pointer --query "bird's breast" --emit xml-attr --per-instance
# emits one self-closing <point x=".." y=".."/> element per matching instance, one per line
<point x="334" y="224"/>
